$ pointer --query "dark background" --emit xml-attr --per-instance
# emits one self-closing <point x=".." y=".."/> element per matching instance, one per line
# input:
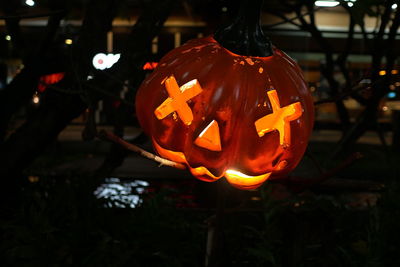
<point x="69" y="198"/>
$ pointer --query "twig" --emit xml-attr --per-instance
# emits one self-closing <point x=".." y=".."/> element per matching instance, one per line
<point x="314" y="161"/>
<point x="347" y="162"/>
<point x="342" y="95"/>
<point x="298" y="184"/>
<point x="289" y="20"/>
<point x="104" y="135"/>
<point x="107" y="93"/>
<point x="352" y="185"/>
<point x="61" y="90"/>
<point x="32" y="15"/>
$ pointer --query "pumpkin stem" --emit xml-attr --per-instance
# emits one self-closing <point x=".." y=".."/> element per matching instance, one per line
<point x="244" y="35"/>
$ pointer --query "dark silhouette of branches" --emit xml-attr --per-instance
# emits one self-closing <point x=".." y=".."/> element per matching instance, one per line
<point x="380" y="46"/>
<point x="57" y="109"/>
<point x="22" y="87"/>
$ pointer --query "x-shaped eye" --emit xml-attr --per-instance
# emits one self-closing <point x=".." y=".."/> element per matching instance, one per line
<point x="279" y="120"/>
<point x="178" y="96"/>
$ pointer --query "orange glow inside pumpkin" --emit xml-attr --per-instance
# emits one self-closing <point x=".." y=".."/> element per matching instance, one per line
<point x="209" y="138"/>
<point x="236" y="178"/>
<point x="178" y="96"/>
<point x="243" y="180"/>
<point x="279" y="119"/>
<point x="250" y="116"/>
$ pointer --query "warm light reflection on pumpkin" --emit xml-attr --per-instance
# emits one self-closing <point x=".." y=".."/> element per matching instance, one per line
<point x="223" y="114"/>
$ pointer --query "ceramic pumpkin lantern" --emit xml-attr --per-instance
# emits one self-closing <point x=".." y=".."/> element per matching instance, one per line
<point x="226" y="108"/>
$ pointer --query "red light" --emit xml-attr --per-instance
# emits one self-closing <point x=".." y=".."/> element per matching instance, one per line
<point x="150" y="65"/>
<point x="49" y="79"/>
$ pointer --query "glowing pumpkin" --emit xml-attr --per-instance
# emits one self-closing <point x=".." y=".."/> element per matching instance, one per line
<point x="247" y="118"/>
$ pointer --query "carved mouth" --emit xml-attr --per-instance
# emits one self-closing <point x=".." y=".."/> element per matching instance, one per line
<point x="244" y="181"/>
<point x="234" y="177"/>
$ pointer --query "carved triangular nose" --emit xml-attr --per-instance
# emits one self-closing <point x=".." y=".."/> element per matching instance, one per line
<point x="209" y="138"/>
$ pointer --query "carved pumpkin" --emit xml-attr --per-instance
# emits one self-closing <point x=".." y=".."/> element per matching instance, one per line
<point x="247" y="118"/>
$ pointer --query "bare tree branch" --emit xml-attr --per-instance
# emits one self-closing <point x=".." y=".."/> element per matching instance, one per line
<point x="392" y="51"/>
<point x="104" y="135"/>
<point x="31" y="15"/>
<point x="339" y="97"/>
<point x="342" y="58"/>
<point x="58" y="109"/>
<point x="22" y="87"/>
<point x="378" y="52"/>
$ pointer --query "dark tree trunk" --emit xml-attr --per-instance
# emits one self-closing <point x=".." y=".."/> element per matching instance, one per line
<point x="58" y="108"/>
<point x="382" y="48"/>
<point x="18" y="93"/>
<point x="396" y="130"/>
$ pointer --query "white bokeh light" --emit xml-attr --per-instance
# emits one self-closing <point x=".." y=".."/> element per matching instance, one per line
<point x="103" y="61"/>
<point x="121" y="194"/>
<point x="30" y="2"/>
<point x="326" y="3"/>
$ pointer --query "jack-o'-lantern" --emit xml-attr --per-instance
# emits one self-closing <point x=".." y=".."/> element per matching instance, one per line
<point x="223" y="113"/>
